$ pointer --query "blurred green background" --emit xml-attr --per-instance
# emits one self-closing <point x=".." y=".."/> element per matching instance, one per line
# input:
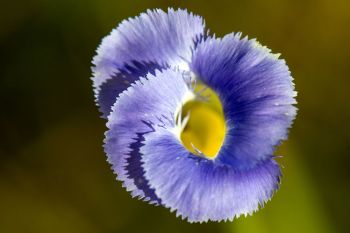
<point x="53" y="173"/>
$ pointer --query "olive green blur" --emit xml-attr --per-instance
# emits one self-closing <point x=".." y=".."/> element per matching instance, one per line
<point x="54" y="177"/>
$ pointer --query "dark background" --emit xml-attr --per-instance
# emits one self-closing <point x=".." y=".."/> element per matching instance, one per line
<point x="53" y="173"/>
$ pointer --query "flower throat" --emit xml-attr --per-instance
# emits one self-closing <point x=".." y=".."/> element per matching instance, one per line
<point x="205" y="129"/>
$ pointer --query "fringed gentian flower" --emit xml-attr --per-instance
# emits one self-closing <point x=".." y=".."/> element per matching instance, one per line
<point x="193" y="120"/>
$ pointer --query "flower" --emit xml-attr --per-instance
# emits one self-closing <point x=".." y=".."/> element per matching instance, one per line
<point x="146" y="77"/>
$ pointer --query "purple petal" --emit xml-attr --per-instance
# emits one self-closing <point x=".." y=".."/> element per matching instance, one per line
<point x="150" y="101"/>
<point x="155" y="37"/>
<point x="119" y="82"/>
<point x="200" y="189"/>
<point x="257" y="94"/>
